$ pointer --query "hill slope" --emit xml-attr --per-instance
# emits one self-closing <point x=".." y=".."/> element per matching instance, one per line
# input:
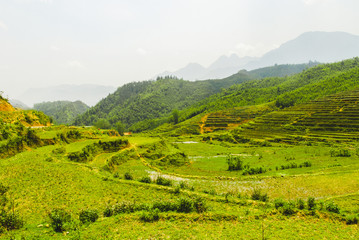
<point x="63" y="112"/>
<point x="142" y="101"/>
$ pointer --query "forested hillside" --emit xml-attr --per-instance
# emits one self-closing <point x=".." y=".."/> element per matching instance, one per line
<point x="62" y="112"/>
<point x="136" y="104"/>
<point x="316" y="82"/>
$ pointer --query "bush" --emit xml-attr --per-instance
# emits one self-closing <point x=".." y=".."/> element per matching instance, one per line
<point x="278" y="203"/>
<point x="10" y="221"/>
<point x="146" y="179"/>
<point x="124" y="207"/>
<point x="163" y="181"/>
<point x="234" y="163"/>
<point x="352" y="219"/>
<point x="108" y="211"/>
<point x="258" y="195"/>
<point x="165" y="206"/>
<point x="88" y="216"/>
<point x="128" y="176"/>
<point x="185" y="205"/>
<point x="59" y="218"/>
<point x="150" y="216"/>
<point x="199" y="205"/>
<point x="340" y="153"/>
<point x="332" y="207"/>
<point x="311" y="203"/>
<point x="300" y="204"/>
<point x="288" y="209"/>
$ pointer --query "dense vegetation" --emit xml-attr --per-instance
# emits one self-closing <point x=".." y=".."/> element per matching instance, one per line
<point x="137" y="105"/>
<point x="62" y="112"/>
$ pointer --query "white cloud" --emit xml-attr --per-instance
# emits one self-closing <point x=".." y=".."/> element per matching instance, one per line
<point x="141" y="51"/>
<point x="3" y="25"/>
<point x="75" y="64"/>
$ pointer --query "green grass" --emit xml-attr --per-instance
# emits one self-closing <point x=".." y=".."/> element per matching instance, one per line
<point x="40" y="181"/>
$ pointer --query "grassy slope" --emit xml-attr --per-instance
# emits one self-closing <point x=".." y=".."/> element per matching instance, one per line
<point x="38" y="185"/>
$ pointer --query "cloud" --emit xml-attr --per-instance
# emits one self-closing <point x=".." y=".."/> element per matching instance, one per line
<point x="141" y="51"/>
<point x="3" y="25"/>
<point x="75" y="64"/>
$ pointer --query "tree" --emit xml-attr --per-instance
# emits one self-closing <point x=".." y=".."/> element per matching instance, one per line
<point x="120" y="128"/>
<point x="102" y="123"/>
<point x="175" y="116"/>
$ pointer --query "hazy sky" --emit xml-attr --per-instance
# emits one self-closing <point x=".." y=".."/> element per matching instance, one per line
<point x="112" y="42"/>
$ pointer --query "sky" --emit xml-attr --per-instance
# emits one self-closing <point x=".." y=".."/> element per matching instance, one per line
<point x="113" y="42"/>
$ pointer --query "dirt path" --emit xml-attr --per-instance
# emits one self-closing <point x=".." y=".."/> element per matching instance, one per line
<point x="203" y="123"/>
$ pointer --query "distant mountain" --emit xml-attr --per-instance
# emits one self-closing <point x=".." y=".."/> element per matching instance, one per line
<point x="135" y="105"/>
<point x="325" y="47"/>
<point x="18" y="104"/>
<point x="223" y="67"/>
<point x="62" y="112"/>
<point x="87" y="93"/>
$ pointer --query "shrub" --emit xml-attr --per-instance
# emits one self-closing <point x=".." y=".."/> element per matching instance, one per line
<point x="199" y="205"/>
<point x="128" y="176"/>
<point x="278" y="203"/>
<point x="332" y="207"/>
<point x="352" y="219"/>
<point x="183" y="185"/>
<point x="88" y="216"/>
<point x="300" y="204"/>
<point x="124" y="207"/>
<point x="163" y="181"/>
<point x="150" y="216"/>
<point x="311" y="203"/>
<point x="340" y="153"/>
<point x="165" y="206"/>
<point x="288" y="209"/>
<point x="185" y="205"/>
<point x="108" y="212"/>
<point x="258" y="195"/>
<point x="234" y="163"/>
<point x="146" y="179"/>
<point x="58" y="219"/>
<point x="10" y="221"/>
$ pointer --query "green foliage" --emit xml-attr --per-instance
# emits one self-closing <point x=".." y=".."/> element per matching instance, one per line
<point x="234" y="163"/>
<point x="185" y="205"/>
<point x="163" y="181"/>
<point x="332" y="207"/>
<point x="63" y="112"/>
<point x="102" y="123"/>
<point x="340" y="153"/>
<point x="9" y="219"/>
<point x="137" y="104"/>
<point x="146" y="179"/>
<point x="87" y="153"/>
<point x="257" y="194"/>
<point x="352" y="219"/>
<point x="59" y="219"/>
<point x="128" y="176"/>
<point x="150" y="216"/>
<point x="88" y="216"/>
<point x="311" y="203"/>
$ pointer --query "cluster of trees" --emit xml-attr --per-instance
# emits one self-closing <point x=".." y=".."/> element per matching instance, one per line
<point x="62" y="112"/>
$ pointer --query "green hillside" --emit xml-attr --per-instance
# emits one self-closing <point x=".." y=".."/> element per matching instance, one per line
<point x="136" y="104"/>
<point x="62" y="112"/>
